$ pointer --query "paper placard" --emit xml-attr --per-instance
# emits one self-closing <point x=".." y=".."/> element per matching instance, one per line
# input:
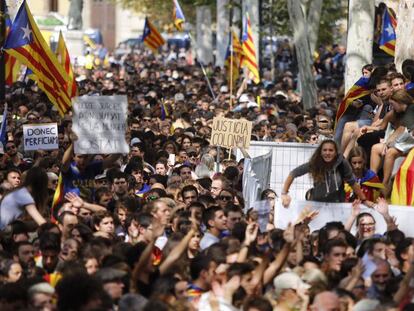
<point x="100" y="124"/>
<point x="229" y="133"/>
<point x="40" y="136"/>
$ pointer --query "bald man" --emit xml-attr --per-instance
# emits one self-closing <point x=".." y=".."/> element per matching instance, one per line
<point x="325" y="301"/>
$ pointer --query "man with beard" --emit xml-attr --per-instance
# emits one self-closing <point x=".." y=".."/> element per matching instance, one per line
<point x="381" y="278"/>
<point x="23" y="252"/>
<point x="13" y="159"/>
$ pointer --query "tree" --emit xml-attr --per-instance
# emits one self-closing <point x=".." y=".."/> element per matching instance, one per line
<point x="404" y="48"/>
<point x="332" y="11"/>
<point x="301" y="39"/>
<point x="161" y="10"/>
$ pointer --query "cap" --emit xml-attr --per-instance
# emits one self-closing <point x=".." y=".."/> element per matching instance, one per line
<point x="224" y="89"/>
<point x="100" y="176"/>
<point x="135" y="140"/>
<point x="289" y="280"/>
<point x="280" y="93"/>
<point x="178" y="97"/>
<point x="107" y="275"/>
<point x="190" y="149"/>
<point x="244" y="98"/>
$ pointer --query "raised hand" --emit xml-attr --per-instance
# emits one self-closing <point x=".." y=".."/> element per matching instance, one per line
<point x="356" y="208"/>
<point x="382" y="207"/>
<point x="251" y="233"/>
<point x="286" y="199"/>
<point x="289" y="233"/>
<point x="74" y="199"/>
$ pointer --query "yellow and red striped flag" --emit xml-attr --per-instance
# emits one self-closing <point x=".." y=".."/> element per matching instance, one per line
<point x="237" y="58"/>
<point x="58" y="196"/>
<point x="249" y="50"/>
<point x="403" y="187"/>
<point x="12" y="66"/>
<point x="179" y="18"/>
<point x="64" y="59"/>
<point x="26" y="43"/>
<point x="151" y="37"/>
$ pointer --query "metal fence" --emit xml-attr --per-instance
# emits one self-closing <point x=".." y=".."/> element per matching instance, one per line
<point x="285" y="157"/>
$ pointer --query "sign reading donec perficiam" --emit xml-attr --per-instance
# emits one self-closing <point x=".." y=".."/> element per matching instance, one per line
<point x="40" y="136"/>
<point x="231" y="133"/>
<point x="100" y="124"/>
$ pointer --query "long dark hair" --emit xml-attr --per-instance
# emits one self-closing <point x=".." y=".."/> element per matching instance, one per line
<point x="317" y="166"/>
<point x="36" y="181"/>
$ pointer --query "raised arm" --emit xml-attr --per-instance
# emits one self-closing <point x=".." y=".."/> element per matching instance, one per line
<point x="281" y="257"/>
<point x="176" y="252"/>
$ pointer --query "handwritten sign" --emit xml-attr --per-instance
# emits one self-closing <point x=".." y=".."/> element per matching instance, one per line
<point x="40" y="136"/>
<point x="230" y="133"/>
<point x="100" y="124"/>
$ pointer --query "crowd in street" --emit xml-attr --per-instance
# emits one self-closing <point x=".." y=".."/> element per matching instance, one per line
<point x="165" y="226"/>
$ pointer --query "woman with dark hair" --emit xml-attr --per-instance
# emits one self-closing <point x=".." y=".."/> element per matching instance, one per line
<point x="329" y="171"/>
<point x="30" y="197"/>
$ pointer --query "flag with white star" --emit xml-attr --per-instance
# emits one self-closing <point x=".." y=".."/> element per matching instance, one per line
<point x="25" y="42"/>
<point x="388" y="36"/>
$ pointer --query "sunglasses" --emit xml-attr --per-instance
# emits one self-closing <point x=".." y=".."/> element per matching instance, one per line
<point x="225" y="198"/>
<point x="192" y="154"/>
<point x="10" y="147"/>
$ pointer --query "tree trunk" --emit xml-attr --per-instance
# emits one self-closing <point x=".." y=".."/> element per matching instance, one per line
<point x="404" y="48"/>
<point x="300" y="36"/>
<point x="360" y="39"/>
<point x="314" y="17"/>
<point x="222" y="32"/>
<point x="204" y="35"/>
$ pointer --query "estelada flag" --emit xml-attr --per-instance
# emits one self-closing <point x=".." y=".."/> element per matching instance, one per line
<point x="26" y="43"/>
<point x="234" y="51"/>
<point x="64" y="59"/>
<point x="151" y="37"/>
<point x="12" y="65"/>
<point x="388" y="34"/>
<point x="358" y="90"/>
<point x="178" y="16"/>
<point x="249" y="50"/>
<point x="403" y="187"/>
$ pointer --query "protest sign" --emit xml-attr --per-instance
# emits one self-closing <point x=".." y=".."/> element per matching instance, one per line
<point x="263" y="210"/>
<point x="230" y="133"/>
<point x="40" y="137"/>
<point x="100" y="124"/>
<point x="341" y="212"/>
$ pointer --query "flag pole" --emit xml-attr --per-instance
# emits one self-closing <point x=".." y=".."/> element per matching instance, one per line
<point x="202" y="66"/>
<point x="231" y="52"/>
<point x="2" y="55"/>
<point x="231" y="69"/>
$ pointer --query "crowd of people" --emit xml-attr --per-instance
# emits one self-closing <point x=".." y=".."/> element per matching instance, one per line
<point x="165" y="226"/>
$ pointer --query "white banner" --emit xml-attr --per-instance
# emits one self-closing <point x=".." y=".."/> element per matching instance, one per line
<point x="340" y="212"/>
<point x="40" y="136"/>
<point x="100" y="124"/>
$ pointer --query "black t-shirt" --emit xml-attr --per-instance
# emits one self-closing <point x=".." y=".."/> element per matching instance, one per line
<point x="145" y="289"/>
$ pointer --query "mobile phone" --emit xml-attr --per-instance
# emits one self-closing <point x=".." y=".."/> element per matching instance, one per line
<point x="171" y="159"/>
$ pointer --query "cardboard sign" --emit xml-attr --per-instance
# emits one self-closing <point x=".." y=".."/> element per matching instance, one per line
<point x="100" y="124"/>
<point x="230" y="133"/>
<point x="40" y="136"/>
